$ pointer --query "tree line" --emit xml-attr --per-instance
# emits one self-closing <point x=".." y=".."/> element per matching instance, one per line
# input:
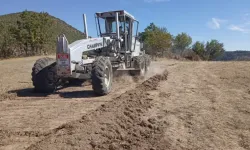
<point x="27" y="37"/>
<point x="160" y="43"/>
<point x="31" y="33"/>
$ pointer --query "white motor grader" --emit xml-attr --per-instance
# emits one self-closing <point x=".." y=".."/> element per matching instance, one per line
<point x="116" y="48"/>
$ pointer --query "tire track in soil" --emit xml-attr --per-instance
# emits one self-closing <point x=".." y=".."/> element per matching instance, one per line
<point x="115" y="125"/>
<point x="9" y="133"/>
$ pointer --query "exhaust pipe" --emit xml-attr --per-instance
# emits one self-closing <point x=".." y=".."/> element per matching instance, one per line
<point x="117" y="28"/>
<point x="85" y="26"/>
<point x="62" y="44"/>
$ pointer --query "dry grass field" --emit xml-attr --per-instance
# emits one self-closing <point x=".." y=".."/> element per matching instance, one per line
<point x="180" y="105"/>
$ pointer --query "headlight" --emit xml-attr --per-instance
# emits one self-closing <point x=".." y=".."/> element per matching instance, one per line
<point x="84" y="56"/>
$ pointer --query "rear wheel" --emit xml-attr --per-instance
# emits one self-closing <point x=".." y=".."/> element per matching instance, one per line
<point x="101" y="76"/>
<point x="44" y="76"/>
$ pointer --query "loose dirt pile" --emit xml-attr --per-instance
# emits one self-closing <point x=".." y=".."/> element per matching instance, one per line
<point x="115" y="125"/>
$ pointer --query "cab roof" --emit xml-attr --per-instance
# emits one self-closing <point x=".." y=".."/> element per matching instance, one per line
<point x="112" y="14"/>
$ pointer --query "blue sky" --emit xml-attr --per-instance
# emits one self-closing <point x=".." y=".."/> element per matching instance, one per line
<point x="225" y="20"/>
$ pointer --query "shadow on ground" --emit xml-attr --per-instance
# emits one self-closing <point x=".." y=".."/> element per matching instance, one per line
<point x="78" y="94"/>
<point x="29" y="92"/>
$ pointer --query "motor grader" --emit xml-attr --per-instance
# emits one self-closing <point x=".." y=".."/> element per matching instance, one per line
<point x="117" y="48"/>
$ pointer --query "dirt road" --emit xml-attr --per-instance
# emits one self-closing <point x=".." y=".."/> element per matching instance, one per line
<point x="192" y="105"/>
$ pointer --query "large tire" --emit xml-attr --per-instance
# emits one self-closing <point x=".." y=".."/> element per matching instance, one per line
<point x="44" y="75"/>
<point x="147" y="62"/>
<point x="139" y="63"/>
<point x="102" y="76"/>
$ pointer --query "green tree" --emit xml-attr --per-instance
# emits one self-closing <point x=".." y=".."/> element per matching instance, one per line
<point x="210" y="51"/>
<point x="151" y="28"/>
<point x="199" y="49"/>
<point x="181" y="42"/>
<point x="44" y="34"/>
<point x="157" y="40"/>
<point x="32" y="31"/>
<point x="213" y="49"/>
<point x="6" y="42"/>
<point x="1" y="27"/>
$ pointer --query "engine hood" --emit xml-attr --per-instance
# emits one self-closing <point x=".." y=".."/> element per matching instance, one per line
<point x="89" y="44"/>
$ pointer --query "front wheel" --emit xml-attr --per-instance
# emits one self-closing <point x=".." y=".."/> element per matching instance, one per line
<point x="102" y="76"/>
<point x="44" y="75"/>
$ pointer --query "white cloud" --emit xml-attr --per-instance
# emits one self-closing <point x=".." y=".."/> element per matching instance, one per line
<point x="155" y="1"/>
<point x="215" y="23"/>
<point x="246" y="16"/>
<point x="244" y="26"/>
<point x="236" y="28"/>
<point x="239" y="28"/>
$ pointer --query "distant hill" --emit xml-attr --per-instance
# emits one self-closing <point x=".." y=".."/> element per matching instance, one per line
<point x="234" y="56"/>
<point x="58" y="27"/>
